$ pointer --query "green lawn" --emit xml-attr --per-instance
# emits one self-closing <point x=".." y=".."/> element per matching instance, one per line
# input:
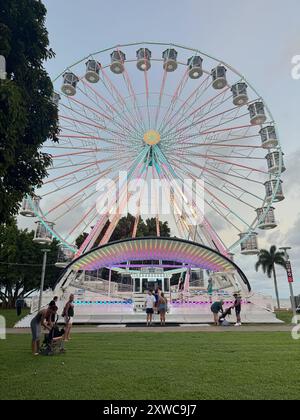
<point x="285" y="316"/>
<point x="11" y="316"/>
<point x="117" y="366"/>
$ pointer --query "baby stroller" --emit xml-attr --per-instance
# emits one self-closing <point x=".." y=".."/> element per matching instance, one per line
<point x="222" y="320"/>
<point x="53" y="342"/>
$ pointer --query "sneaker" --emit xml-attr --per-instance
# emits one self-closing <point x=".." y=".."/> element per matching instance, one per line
<point x="237" y="324"/>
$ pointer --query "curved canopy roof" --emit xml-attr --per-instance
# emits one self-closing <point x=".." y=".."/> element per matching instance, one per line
<point x="192" y="254"/>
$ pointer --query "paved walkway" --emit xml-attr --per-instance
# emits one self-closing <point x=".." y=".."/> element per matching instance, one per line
<point x="158" y="329"/>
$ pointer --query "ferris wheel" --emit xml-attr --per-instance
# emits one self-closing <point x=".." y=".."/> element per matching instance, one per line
<point x="166" y="112"/>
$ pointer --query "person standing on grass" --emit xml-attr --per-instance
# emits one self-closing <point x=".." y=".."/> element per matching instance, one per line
<point x="157" y="295"/>
<point x="238" y="308"/>
<point x="150" y="303"/>
<point x="162" y="308"/>
<point x="216" y="308"/>
<point x="42" y="319"/>
<point x="19" y="305"/>
<point x="210" y="290"/>
<point x="53" y="303"/>
<point x="68" y="314"/>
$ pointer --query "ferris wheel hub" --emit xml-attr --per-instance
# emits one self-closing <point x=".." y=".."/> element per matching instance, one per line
<point x="152" y="137"/>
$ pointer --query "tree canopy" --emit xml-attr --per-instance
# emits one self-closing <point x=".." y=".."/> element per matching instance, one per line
<point x="267" y="260"/>
<point x="28" y="116"/>
<point x="125" y="227"/>
<point x="21" y="263"/>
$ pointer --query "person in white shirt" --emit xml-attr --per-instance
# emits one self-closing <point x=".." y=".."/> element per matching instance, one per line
<point x="150" y="303"/>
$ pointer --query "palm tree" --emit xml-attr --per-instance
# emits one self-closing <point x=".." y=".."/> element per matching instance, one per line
<point x="267" y="261"/>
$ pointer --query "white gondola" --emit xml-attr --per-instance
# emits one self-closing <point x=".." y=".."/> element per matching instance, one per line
<point x="239" y="93"/>
<point x="268" y="137"/>
<point x="273" y="160"/>
<point x="257" y="113"/>
<point x="56" y="98"/>
<point x="69" y="84"/>
<point x="268" y="221"/>
<point x="219" y="77"/>
<point x="42" y="235"/>
<point x="170" y="59"/>
<point x="249" y="244"/>
<point x="143" y="56"/>
<point x="117" y="62"/>
<point x="195" y="67"/>
<point x="271" y="187"/>
<point x="64" y="257"/>
<point x="30" y="206"/>
<point x="92" y="71"/>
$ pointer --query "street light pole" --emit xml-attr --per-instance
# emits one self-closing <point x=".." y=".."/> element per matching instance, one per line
<point x="45" y="251"/>
<point x="290" y="277"/>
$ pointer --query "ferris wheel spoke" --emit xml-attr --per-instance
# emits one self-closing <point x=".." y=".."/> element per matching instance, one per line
<point x="138" y="215"/>
<point x="213" y="235"/>
<point x="217" y="145"/>
<point x="216" y="131"/>
<point x="97" y="126"/>
<point x="107" y="171"/>
<point x="203" y="122"/>
<point x="123" y="203"/>
<point x="147" y="97"/>
<point x="132" y="93"/>
<point x="83" y="138"/>
<point x="224" y="205"/>
<point x="104" y="116"/>
<point x="212" y="105"/>
<point x="200" y="90"/>
<point x="179" y="89"/>
<point x="123" y="101"/>
<point x="239" y="165"/>
<point x="213" y="172"/>
<point x="113" y="110"/>
<point x="220" y="124"/>
<point x="162" y="89"/>
<point x="82" y="169"/>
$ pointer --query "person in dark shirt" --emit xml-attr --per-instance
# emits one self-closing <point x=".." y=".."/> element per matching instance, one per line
<point x="20" y="305"/>
<point x="238" y="308"/>
<point x="216" y="308"/>
<point x="52" y="304"/>
<point x="68" y="314"/>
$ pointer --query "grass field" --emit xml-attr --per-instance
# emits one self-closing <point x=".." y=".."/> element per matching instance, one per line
<point x="11" y="316"/>
<point x="285" y="316"/>
<point x="118" y="366"/>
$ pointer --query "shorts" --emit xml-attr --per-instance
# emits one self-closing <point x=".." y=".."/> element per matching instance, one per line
<point x="162" y="309"/>
<point x="238" y="310"/>
<point x="69" y="320"/>
<point x="149" y="311"/>
<point x="35" y="330"/>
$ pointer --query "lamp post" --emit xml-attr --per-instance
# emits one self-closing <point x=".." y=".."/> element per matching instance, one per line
<point x="290" y="277"/>
<point x="45" y="251"/>
<point x="3" y="74"/>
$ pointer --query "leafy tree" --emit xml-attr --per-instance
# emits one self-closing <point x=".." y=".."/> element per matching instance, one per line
<point x="28" y="116"/>
<point x="124" y="230"/>
<point x="151" y="228"/>
<point x="21" y="264"/>
<point x="267" y="260"/>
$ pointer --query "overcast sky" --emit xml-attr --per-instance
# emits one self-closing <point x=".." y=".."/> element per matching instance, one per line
<point x="259" y="38"/>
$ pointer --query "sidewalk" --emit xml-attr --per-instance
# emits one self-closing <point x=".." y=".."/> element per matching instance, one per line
<point x="158" y="329"/>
